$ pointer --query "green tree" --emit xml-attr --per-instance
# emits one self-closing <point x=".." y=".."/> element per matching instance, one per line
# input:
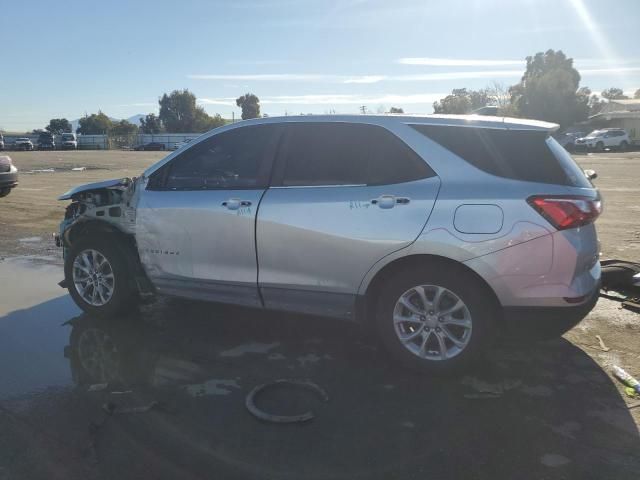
<point x="58" y="126"/>
<point x="594" y="102"/>
<point x="250" y="105"/>
<point x="94" y="124"/>
<point x="151" y="124"/>
<point x="180" y="114"/>
<point x="637" y="94"/>
<point x="462" y="101"/>
<point x="205" y="122"/>
<point x="548" y="90"/>
<point x="614" y="93"/>
<point x="123" y="128"/>
<point x="396" y="110"/>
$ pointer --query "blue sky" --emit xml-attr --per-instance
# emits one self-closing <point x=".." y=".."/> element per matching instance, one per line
<point x="298" y="56"/>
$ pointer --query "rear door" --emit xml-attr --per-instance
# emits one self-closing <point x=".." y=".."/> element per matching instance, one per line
<point x="343" y="196"/>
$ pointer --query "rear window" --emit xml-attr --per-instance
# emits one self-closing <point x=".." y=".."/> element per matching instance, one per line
<point x="338" y="153"/>
<point x="530" y="156"/>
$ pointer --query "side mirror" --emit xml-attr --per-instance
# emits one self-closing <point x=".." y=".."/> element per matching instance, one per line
<point x="590" y="174"/>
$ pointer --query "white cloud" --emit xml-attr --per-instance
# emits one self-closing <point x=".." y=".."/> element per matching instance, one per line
<point x="335" y="99"/>
<point x="608" y="71"/>
<point x="359" y="79"/>
<point x="457" y="62"/>
<point x="425" y="77"/>
<point x="141" y="104"/>
<point x="365" y="79"/>
<point x="289" y="77"/>
<point x="227" y="101"/>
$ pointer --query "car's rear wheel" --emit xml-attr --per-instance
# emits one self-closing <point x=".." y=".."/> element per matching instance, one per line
<point x="599" y="147"/>
<point x="98" y="278"/>
<point x="435" y="321"/>
<point x="624" y="145"/>
<point x="4" y="192"/>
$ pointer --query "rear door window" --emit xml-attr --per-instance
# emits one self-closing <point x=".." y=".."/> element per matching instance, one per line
<point x="335" y="153"/>
<point x="526" y="155"/>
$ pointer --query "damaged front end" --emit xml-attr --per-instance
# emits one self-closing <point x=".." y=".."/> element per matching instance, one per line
<point x="111" y="202"/>
<point x="105" y="209"/>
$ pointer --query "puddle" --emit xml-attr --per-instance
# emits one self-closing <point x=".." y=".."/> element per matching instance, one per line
<point x="253" y="347"/>
<point x="30" y="239"/>
<point x="212" y="387"/>
<point x="554" y="460"/>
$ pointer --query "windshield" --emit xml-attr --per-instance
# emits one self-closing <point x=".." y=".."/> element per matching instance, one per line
<point x="68" y="136"/>
<point x="597" y="133"/>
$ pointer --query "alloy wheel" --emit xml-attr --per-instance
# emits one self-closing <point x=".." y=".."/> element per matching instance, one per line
<point x="93" y="277"/>
<point x="432" y="322"/>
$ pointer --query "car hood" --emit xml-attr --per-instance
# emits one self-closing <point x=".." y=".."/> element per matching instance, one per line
<point x="116" y="182"/>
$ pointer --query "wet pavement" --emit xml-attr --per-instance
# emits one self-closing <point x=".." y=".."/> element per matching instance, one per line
<point x="161" y="394"/>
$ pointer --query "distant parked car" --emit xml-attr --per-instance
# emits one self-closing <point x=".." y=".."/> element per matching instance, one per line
<point x="46" y="141"/>
<point x="568" y="139"/>
<point x="181" y="144"/>
<point x="8" y="175"/>
<point x="69" y="141"/>
<point x="606" y="138"/>
<point x="1" y="142"/>
<point x="151" y="146"/>
<point x="22" y="143"/>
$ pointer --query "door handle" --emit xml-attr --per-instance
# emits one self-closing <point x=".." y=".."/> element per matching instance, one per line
<point x="236" y="203"/>
<point x="389" y="201"/>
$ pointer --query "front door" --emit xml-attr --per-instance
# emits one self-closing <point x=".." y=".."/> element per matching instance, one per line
<point x="196" y="216"/>
<point x="343" y="196"/>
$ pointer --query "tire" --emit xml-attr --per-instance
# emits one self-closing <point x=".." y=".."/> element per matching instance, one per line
<point x="599" y="147"/>
<point x="4" y="192"/>
<point x="478" y="311"/>
<point x="115" y="291"/>
<point x="624" y="145"/>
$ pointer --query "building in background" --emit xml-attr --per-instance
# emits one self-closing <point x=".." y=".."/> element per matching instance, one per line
<point x="620" y="114"/>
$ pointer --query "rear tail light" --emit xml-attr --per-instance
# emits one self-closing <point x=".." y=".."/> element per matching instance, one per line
<point x="566" y="211"/>
<point x="5" y="164"/>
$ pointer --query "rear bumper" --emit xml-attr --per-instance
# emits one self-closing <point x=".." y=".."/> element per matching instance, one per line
<point x="545" y="271"/>
<point x="8" y="180"/>
<point x="543" y="323"/>
<point x="569" y="315"/>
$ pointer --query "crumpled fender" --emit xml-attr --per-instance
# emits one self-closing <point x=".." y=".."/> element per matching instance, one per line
<point x="116" y="182"/>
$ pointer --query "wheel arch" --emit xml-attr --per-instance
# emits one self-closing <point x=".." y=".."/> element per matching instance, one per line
<point x="124" y="242"/>
<point x="426" y="261"/>
<point x="83" y="229"/>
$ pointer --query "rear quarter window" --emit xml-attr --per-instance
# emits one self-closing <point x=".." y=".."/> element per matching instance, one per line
<point x="530" y="156"/>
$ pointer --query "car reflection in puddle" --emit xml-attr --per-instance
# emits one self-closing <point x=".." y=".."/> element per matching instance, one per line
<point x="200" y="361"/>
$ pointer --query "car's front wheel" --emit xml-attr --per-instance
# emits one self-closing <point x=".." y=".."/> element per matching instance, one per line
<point x="436" y="320"/>
<point x="97" y="277"/>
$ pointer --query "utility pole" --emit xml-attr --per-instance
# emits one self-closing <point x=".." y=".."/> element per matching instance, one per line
<point x="363" y="109"/>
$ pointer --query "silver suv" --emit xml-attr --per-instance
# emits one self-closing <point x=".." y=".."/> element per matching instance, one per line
<point x="437" y="232"/>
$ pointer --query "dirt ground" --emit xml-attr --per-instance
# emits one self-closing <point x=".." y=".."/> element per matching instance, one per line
<point x="31" y="212"/>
